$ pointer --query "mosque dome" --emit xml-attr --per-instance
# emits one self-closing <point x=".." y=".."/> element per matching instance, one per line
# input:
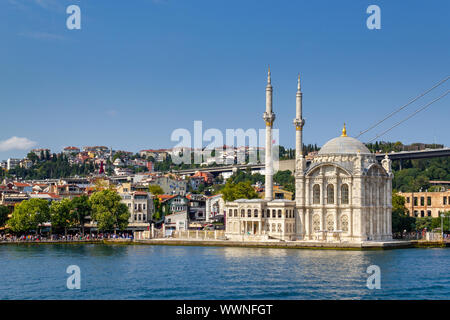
<point x="344" y="145"/>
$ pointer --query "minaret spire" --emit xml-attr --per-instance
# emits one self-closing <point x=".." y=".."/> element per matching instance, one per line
<point x="269" y="118"/>
<point x="299" y="122"/>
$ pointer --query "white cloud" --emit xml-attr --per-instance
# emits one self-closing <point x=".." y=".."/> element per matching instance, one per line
<point x="16" y="143"/>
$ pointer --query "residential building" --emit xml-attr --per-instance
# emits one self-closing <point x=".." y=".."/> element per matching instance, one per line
<point x="71" y="150"/>
<point x="426" y="204"/>
<point x="176" y="221"/>
<point x="26" y="163"/>
<point x="173" y="203"/>
<point x="159" y="155"/>
<point x="141" y="208"/>
<point x="170" y="185"/>
<point x="215" y="207"/>
<point x="11" y="163"/>
<point x="197" y="207"/>
<point x="40" y="153"/>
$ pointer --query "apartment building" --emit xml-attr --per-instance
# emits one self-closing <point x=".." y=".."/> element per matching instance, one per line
<point x="426" y="204"/>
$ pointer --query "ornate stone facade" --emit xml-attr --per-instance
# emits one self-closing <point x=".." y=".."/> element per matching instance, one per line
<point x="343" y="195"/>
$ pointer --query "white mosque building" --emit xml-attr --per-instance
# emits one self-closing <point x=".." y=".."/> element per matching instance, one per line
<point x="343" y="195"/>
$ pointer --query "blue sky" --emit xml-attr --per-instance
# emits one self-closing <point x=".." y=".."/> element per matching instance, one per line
<point x="137" y="70"/>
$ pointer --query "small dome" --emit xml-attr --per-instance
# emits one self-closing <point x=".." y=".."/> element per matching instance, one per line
<point x="343" y="145"/>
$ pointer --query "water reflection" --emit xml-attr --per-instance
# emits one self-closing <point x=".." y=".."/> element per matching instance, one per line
<point x="166" y="272"/>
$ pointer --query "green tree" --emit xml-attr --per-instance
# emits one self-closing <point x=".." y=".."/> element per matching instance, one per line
<point x="108" y="210"/>
<point x="28" y="215"/>
<point x="241" y="190"/>
<point x="436" y="222"/>
<point x="400" y="220"/>
<point x="82" y="209"/>
<point x="159" y="209"/>
<point x="4" y="211"/>
<point x="155" y="189"/>
<point x="61" y="215"/>
<point x="33" y="157"/>
<point x="423" y="223"/>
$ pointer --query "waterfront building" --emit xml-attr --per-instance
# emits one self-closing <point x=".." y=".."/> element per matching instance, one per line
<point x="197" y="207"/>
<point x="343" y="195"/>
<point x="140" y="206"/>
<point x="176" y="221"/>
<point x="215" y="207"/>
<point x="426" y="204"/>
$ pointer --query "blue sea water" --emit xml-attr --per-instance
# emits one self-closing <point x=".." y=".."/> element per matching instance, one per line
<point x="176" y="272"/>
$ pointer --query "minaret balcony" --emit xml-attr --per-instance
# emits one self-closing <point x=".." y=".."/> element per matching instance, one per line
<point x="299" y="123"/>
<point x="269" y="118"/>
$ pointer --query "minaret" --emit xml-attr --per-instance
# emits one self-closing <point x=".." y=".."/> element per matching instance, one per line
<point x="269" y="118"/>
<point x="299" y="122"/>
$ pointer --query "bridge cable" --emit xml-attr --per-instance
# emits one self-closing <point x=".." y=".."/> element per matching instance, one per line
<point x="410" y="116"/>
<point x="401" y="108"/>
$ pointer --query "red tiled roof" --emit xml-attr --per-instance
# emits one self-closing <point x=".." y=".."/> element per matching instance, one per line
<point x="20" y="184"/>
<point x="165" y="197"/>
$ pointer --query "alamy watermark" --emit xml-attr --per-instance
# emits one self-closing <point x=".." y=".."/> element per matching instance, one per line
<point x="73" y="21"/>
<point x="74" y="280"/>
<point x="236" y="146"/>
<point x="374" y="280"/>
<point x="374" y="20"/>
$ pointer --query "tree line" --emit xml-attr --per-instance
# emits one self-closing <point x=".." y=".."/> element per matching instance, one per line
<point x="103" y="207"/>
<point x="54" y="167"/>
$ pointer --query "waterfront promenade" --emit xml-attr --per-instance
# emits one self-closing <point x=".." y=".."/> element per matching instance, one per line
<point x="373" y="245"/>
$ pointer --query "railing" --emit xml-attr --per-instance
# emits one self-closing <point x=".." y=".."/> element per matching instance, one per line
<point x="181" y="234"/>
<point x="199" y="234"/>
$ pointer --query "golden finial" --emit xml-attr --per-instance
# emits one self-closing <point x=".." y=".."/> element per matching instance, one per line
<point x="344" y="131"/>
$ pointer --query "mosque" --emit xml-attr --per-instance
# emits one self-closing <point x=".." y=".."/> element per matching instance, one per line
<point x="344" y="195"/>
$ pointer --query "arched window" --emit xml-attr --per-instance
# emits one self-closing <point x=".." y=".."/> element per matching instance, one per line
<point x="235" y="213"/>
<point x="279" y="213"/>
<point x="344" y="223"/>
<point x="316" y="223"/>
<point x="330" y="194"/>
<point x="249" y="213"/>
<point x="255" y="212"/>
<point x="330" y="222"/>
<point x="316" y="194"/>
<point x="344" y="194"/>
<point x="242" y="213"/>
<point x="274" y="213"/>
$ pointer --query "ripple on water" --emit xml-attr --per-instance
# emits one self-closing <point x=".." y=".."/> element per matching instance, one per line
<point x="166" y="272"/>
